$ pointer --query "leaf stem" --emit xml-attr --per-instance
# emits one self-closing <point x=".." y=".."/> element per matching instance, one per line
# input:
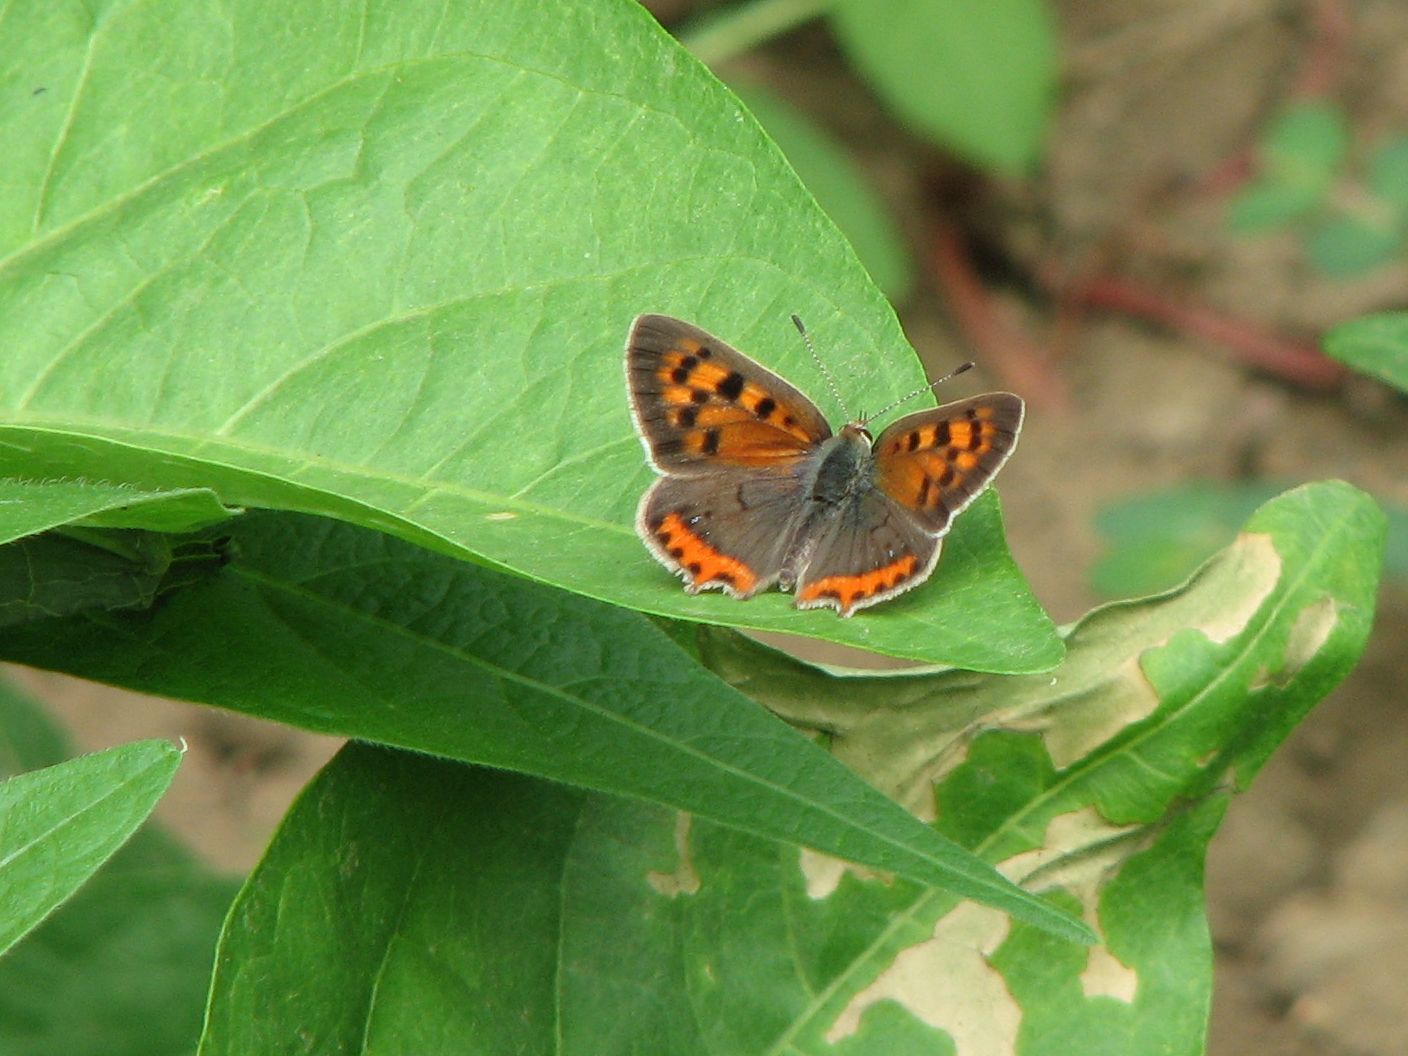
<point x="718" y="37"/>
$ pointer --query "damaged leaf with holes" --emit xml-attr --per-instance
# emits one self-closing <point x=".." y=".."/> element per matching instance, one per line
<point x="1097" y="785"/>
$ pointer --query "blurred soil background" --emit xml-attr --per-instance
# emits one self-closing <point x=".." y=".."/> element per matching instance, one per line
<point x="1154" y="348"/>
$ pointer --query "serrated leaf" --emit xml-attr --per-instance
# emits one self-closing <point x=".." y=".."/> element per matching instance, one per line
<point x="1376" y="345"/>
<point x="59" y="824"/>
<point x="1345" y="246"/>
<point x="121" y="968"/>
<point x="380" y="266"/>
<point x="342" y="630"/>
<point x="1100" y="785"/>
<point x="976" y="78"/>
<point x="838" y="186"/>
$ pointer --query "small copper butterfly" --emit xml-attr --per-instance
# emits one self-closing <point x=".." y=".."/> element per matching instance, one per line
<point x="755" y="489"/>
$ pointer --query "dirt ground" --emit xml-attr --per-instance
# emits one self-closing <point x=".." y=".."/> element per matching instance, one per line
<point x="1308" y="879"/>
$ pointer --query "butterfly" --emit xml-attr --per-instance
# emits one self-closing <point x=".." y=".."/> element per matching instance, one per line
<point x="755" y="489"/>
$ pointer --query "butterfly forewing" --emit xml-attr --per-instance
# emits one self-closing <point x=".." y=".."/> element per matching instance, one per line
<point x="934" y="463"/>
<point x="700" y="404"/>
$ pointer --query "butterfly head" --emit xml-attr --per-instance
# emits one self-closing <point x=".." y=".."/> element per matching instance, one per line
<point x="857" y="430"/>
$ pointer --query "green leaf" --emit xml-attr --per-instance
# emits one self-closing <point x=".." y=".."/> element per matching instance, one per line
<point x="1376" y="345"/>
<point x="380" y="266"/>
<point x="28" y="739"/>
<point x="406" y="904"/>
<point x="838" y="186"/>
<point x="977" y="78"/>
<point x="61" y="558"/>
<point x="1299" y="154"/>
<point x="359" y="634"/>
<point x="1305" y="146"/>
<point x="1099" y="786"/>
<point x="122" y="968"/>
<point x="1156" y="540"/>
<point x="28" y="507"/>
<point x="1345" y="246"/>
<point x="1153" y="542"/>
<point x="1388" y="172"/>
<point x="1265" y="204"/>
<point x="59" y="824"/>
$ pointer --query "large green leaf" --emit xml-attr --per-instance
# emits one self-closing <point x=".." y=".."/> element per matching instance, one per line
<point x="1103" y="781"/>
<point x="838" y="185"/>
<point x="344" y="630"/>
<point x="978" y="78"/>
<point x="408" y="905"/>
<point x="1376" y="345"/>
<point x="59" y="824"/>
<point x="74" y="546"/>
<point x="379" y="264"/>
<point x="122" y="968"/>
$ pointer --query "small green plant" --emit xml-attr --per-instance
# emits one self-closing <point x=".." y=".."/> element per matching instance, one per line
<point x="311" y="407"/>
<point x="1351" y="222"/>
<point x="977" y="79"/>
<point x="1154" y="541"/>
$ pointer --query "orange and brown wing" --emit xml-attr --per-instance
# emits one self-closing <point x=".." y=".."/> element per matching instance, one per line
<point x="872" y="551"/>
<point x="934" y="463"/>
<point x="699" y="403"/>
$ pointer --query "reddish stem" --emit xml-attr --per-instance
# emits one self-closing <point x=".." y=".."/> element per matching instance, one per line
<point x="1250" y="344"/>
<point x="1002" y="347"/>
<point x="1319" y="72"/>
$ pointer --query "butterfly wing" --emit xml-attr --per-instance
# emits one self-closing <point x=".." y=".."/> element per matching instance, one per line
<point x="728" y="530"/>
<point x="932" y="464"/>
<point x="700" y="404"/>
<point x="927" y="468"/>
<point x="871" y="551"/>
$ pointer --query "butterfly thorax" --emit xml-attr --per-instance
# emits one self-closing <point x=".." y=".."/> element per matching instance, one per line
<point x="844" y="464"/>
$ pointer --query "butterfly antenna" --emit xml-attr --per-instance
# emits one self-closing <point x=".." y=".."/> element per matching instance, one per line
<point x="919" y="391"/>
<point x="830" y="380"/>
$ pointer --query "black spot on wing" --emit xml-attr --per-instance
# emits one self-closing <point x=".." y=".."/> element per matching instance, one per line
<point x="732" y="386"/>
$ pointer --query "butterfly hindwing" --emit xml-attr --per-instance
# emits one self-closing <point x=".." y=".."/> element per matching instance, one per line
<point x="728" y="530"/>
<point x="935" y="462"/>
<point x="872" y="551"/>
<point x="700" y="404"/>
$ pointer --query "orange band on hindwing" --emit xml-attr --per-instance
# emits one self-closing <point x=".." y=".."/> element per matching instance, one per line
<point x="847" y="590"/>
<point x="704" y="564"/>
